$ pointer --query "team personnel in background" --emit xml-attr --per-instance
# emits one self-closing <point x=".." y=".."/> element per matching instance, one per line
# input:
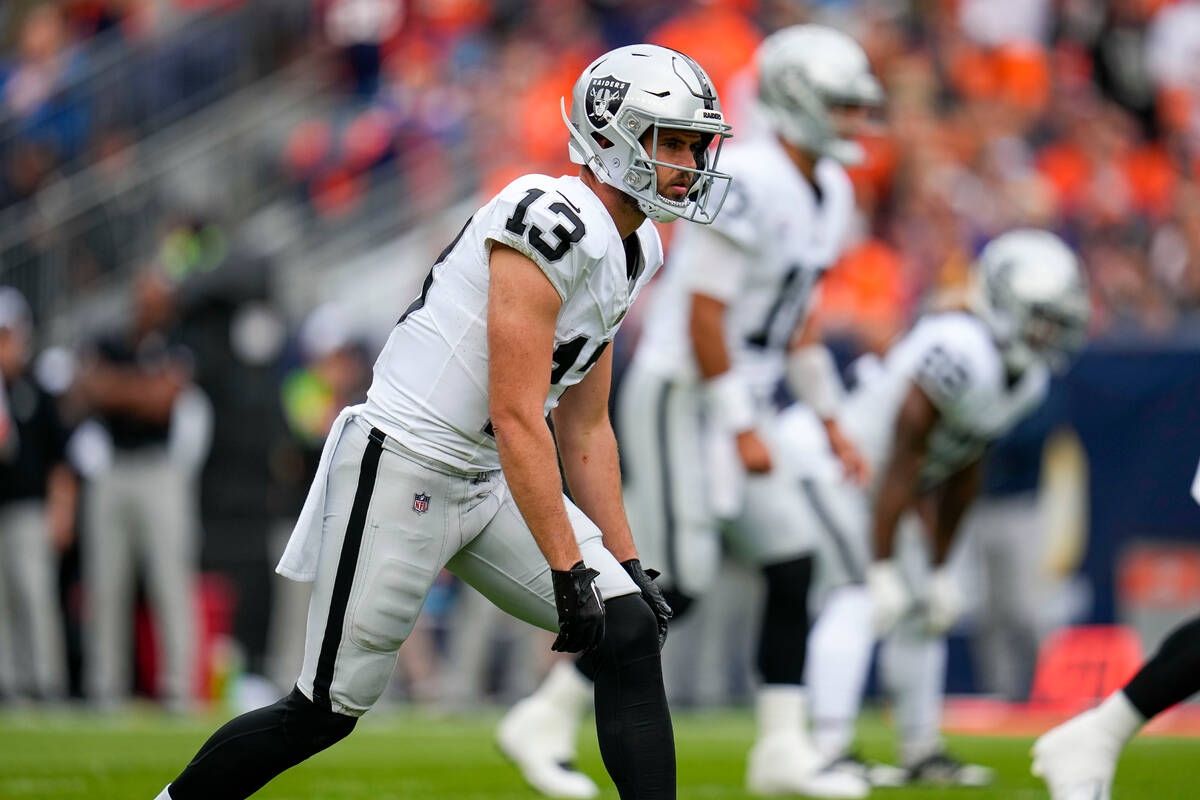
<point x="518" y="309"/>
<point x="1078" y="759"/>
<point x="923" y="418"/>
<point x="37" y="516"/>
<point x="694" y="405"/>
<point x="143" y="507"/>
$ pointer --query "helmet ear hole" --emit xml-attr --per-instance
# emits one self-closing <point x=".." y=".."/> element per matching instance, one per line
<point x="601" y="142"/>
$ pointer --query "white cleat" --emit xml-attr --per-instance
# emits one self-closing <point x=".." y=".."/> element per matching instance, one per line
<point x="1077" y="759"/>
<point x="875" y="773"/>
<point x="782" y="765"/>
<point x="943" y="769"/>
<point x="540" y="741"/>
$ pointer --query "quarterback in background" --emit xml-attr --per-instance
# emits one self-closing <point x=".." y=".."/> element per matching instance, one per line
<point x="450" y="462"/>
<point x="923" y="418"/>
<point x="694" y="410"/>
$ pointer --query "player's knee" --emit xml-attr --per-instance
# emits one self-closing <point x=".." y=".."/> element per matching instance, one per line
<point x="630" y="629"/>
<point x="788" y="582"/>
<point x="308" y="723"/>
<point x="680" y="603"/>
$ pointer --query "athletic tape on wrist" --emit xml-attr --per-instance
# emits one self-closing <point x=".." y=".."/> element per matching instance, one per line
<point x="813" y="378"/>
<point x="732" y="405"/>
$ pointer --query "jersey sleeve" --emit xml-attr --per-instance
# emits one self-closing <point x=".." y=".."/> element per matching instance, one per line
<point x="957" y="367"/>
<point x="712" y="264"/>
<point x="531" y="216"/>
<point x="944" y="374"/>
<point x="737" y="220"/>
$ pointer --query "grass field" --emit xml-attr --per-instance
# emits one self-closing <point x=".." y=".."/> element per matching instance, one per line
<point x="407" y="756"/>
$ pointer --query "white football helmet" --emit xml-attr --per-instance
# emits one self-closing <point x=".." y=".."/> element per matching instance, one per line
<point x="642" y="87"/>
<point x="1028" y="287"/>
<point x="805" y="72"/>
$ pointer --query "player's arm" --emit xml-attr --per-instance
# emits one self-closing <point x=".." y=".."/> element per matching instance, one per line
<point x="813" y="378"/>
<point x="731" y="399"/>
<point x="890" y="598"/>
<point x="147" y="395"/>
<point x="522" y="311"/>
<point x="898" y="483"/>
<point x="951" y="503"/>
<point x="588" y="449"/>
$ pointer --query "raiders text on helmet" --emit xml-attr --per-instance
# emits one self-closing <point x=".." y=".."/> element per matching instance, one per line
<point x="639" y="88"/>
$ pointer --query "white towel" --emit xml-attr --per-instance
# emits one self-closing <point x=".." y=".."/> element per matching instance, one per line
<point x="1196" y="485"/>
<point x="303" y="549"/>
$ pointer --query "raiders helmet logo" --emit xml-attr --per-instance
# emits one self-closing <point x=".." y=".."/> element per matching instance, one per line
<point x="604" y="97"/>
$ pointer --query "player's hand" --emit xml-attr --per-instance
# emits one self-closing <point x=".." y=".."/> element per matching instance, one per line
<point x="652" y="595"/>
<point x="944" y="604"/>
<point x="890" y="599"/>
<point x="853" y="464"/>
<point x="580" y="609"/>
<point x="753" y="451"/>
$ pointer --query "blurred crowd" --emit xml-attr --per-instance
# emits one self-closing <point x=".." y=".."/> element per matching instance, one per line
<point x="180" y="440"/>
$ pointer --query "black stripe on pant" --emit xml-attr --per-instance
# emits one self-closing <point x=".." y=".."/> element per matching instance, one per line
<point x="347" y="563"/>
<point x="666" y="487"/>
<point x="841" y="543"/>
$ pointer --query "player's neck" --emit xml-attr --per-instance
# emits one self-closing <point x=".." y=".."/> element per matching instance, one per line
<point x="625" y="214"/>
<point x="805" y="161"/>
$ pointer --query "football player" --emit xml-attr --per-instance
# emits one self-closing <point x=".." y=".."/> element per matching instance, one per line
<point x="450" y="462"/>
<point x="693" y="406"/>
<point x="922" y="418"/>
<point x="1078" y="759"/>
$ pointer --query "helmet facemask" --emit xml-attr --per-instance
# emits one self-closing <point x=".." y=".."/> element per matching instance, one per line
<point x="1031" y="293"/>
<point x="611" y="118"/>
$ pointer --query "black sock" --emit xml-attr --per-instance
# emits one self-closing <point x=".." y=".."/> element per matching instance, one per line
<point x="250" y="750"/>
<point x="782" y="644"/>
<point x="632" y="719"/>
<point x="1173" y="675"/>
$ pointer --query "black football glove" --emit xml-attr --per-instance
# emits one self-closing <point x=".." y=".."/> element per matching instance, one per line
<point x="651" y="594"/>
<point x="580" y="610"/>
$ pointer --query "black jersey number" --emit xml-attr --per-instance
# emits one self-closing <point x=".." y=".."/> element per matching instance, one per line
<point x="792" y="294"/>
<point x="566" y="354"/>
<point x="564" y="236"/>
<point x="561" y="362"/>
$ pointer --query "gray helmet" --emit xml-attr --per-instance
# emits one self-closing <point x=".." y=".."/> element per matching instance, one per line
<point x="803" y="72"/>
<point x="1028" y="288"/>
<point x="642" y="87"/>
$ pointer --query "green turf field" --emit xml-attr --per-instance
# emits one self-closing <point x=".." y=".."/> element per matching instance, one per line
<point x="407" y="756"/>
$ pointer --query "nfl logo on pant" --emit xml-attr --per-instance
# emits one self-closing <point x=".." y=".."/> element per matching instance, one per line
<point x="420" y="502"/>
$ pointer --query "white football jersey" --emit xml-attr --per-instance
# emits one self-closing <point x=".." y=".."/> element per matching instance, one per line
<point x="954" y="359"/>
<point x="774" y="238"/>
<point x="430" y="389"/>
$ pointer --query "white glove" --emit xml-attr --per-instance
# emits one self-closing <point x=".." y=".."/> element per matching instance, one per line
<point x="944" y="603"/>
<point x="890" y="598"/>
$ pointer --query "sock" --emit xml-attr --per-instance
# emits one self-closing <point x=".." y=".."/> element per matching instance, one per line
<point x="1118" y="717"/>
<point x="566" y="688"/>
<point x="781" y="710"/>
<point x="914" y="670"/>
<point x="782" y="642"/>
<point x="839" y="657"/>
<point x="1171" y="676"/>
<point x="632" y="719"/>
<point x="164" y="794"/>
<point x="250" y="750"/>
